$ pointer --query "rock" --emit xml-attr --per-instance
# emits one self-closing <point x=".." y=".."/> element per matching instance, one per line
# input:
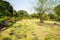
<point x="3" y="28"/>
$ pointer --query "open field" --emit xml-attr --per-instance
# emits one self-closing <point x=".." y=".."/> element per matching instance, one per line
<point x="31" y="30"/>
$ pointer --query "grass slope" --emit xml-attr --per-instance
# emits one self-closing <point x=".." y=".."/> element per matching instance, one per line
<point x="31" y="30"/>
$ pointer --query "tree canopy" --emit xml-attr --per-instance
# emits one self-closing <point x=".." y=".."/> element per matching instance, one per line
<point x="22" y="13"/>
<point x="6" y="7"/>
<point x="43" y="6"/>
<point x="57" y="10"/>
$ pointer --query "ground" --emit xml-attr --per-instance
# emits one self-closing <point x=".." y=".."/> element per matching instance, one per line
<point x="31" y="29"/>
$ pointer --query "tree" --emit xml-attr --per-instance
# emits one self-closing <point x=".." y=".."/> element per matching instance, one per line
<point x="15" y="13"/>
<point x="57" y="11"/>
<point x="34" y="15"/>
<point x="52" y="16"/>
<point x="45" y="16"/>
<point x="44" y="6"/>
<point x="6" y="8"/>
<point x="22" y="13"/>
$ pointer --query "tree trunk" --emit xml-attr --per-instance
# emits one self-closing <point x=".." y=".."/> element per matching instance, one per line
<point x="41" y="17"/>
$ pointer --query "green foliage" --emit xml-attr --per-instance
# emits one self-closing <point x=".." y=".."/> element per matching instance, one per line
<point x="52" y="16"/>
<point x="15" y="13"/>
<point x="5" y="8"/>
<point x="22" y="14"/>
<point x="7" y="22"/>
<point x="58" y="18"/>
<point x="34" y="15"/>
<point x="45" y="17"/>
<point x="57" y="11"/>
<point x="2" y="20"/>
<point x="43" y="6"/>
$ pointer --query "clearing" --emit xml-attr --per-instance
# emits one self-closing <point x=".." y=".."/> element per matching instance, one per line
<point x="32" y="30"/>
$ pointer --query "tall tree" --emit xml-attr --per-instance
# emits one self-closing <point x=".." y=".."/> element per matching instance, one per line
<point x="44" y="6"/>
<point x="22" y="13"/>
<point x="6" y="7"/>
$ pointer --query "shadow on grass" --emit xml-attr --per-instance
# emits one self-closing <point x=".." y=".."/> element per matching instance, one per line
<point x="48" y="24"/>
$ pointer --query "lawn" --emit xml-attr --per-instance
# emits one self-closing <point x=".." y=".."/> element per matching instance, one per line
<point x="30" y="29"/>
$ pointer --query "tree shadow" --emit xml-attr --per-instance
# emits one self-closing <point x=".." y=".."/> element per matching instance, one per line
<point x="48" y="24"/>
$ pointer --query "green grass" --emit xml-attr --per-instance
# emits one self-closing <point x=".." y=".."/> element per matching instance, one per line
<point x="31" y="30"/>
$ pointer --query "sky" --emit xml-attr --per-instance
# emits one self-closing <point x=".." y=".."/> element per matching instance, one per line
<point x="26" y="5"/>
<point x="22" y="5"/>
